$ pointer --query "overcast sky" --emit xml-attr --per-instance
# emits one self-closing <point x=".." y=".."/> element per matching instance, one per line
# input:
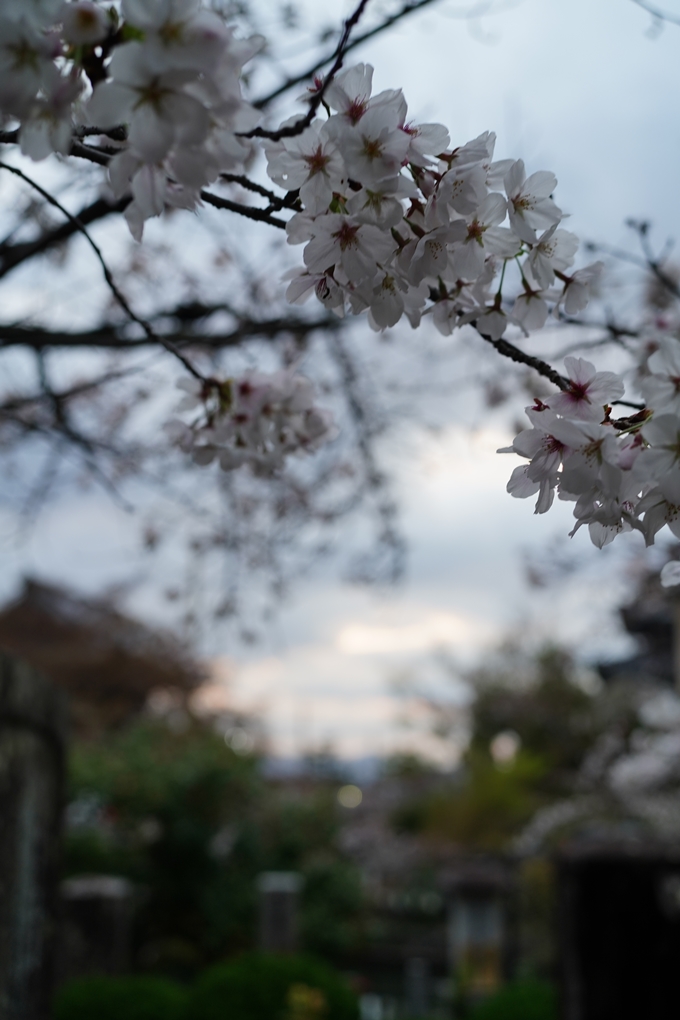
<point x="581" y="88"/>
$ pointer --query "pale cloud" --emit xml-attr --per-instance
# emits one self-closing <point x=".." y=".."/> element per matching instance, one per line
<point x="434" y="631"/>
<point x="311" y="696"/>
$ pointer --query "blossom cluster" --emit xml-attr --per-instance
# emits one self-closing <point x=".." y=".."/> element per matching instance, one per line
<point x="395" y="223"/>
<point x="257" y="420"/>
<point x="622" y="474"/>
<point x="168" y="72"/>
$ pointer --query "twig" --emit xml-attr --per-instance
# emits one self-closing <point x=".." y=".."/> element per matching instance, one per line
<point x="657" y="13"/>
<point x="18" y="403"/>
<point x="298" y="79"/>
<point x="251" y="213"/>
<point x="13" y="255"/>
<point x="299" y="126"/>
<point x="375" y="478"/>
<point x="113" y="287"/>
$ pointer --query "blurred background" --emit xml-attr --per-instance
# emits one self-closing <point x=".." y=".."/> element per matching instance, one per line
<point x="369" y="740"/>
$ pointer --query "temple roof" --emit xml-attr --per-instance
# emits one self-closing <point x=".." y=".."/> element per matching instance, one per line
<point x="650" y="619"/>
<point x="106" y="661"/>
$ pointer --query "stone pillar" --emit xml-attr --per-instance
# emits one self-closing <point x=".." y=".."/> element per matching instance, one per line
<point x="279" y="892"/>
<point x="675" y="609"/>
<point x="32" y="759"/>
<point x="417" y="986"/>
<point x="475" y="940"/>
<point x="96" y="926"/>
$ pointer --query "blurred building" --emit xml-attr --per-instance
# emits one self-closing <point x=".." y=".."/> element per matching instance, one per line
<point x="106" y="662"/>
<point x="615" y="842"/>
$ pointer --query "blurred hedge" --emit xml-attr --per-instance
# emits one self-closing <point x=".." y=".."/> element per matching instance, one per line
<point x="121" y="998"/>
<point x="255" y="986"/>
<point x="521" y="1000"/>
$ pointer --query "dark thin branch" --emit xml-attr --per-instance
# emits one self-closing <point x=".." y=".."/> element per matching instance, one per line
<point x="298" y="79"/>
<point x="16" y="404"/>
<point x="251" y="213"/>
<point x="654" y="264"/>
<point x="112" y="285"/>
<point x="61" y="425"/>
<point x="375" y="478"/>
<point x="40" y="492"/>
<point x="13" y="255"/>
<point x="657" y="13"/>
<point x="249" y="185"/>
<point x="649" y="261"/>
<point x="291" y="200"/>
<point x="315" y="102"/>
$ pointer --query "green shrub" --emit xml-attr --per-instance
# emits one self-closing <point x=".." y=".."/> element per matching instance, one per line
<point x="521" y="1000"/>
<point x="257" y="986"/>
<point x="120" y="998"/>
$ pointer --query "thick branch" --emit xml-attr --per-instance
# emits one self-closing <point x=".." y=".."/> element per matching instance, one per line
<point x="109" y="337"/>
<point x="509" y="350"/>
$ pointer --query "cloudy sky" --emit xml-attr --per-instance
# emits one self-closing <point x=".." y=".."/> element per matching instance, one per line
<point x="587" y="90"/>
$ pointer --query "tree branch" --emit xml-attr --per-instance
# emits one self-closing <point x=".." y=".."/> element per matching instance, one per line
<point x="509" y="350"/>
<point x="16" y="404"/>
<point x="298" y="79"/>
<point x="250" y="212"/>
<point x="12" y="255"/>
<point x="112" y="285"/>
<point x="315" y="102"/>
<point x="657" y="13"/>
<point x="109" y="337"/>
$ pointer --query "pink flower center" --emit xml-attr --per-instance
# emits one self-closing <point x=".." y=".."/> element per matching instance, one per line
<point x="317" y="161"/>
<point x="578" y="391"/>
<point x="346" y="236"/>
<point x="356" y="110"/>
<point x="373" y="148"/>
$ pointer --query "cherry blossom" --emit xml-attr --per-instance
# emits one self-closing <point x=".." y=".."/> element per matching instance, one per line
<point x="349" y="93"/>
<point x="358" y="248"/>
<point x="309" y="161"/>
<point x="155" y="104"/>
<point x="84" y="23"/>
<point x="661" y="386"/>
<point x="579" y="287"/>
<point x="554" y="251"/>
<point x="588" y="391"/>
<point x="394" y="220"/>
<point x="530" y="206"/>
<point x="622" y="474"/>
<point x="256" y="420"/>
